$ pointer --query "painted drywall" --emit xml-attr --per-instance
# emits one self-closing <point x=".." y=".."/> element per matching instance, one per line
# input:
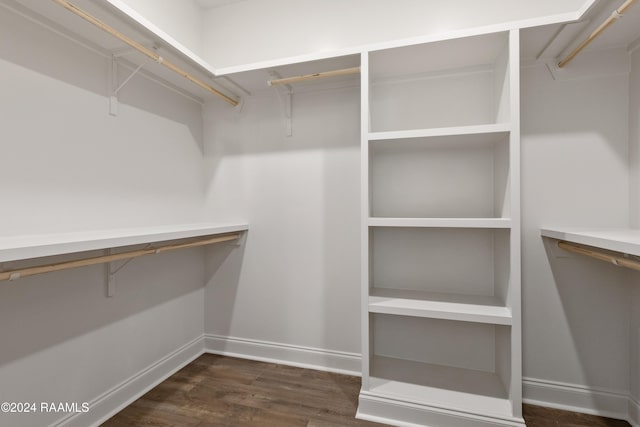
<point x="68" y="165"/>
<point x="242" y="34"/>
<point x="576" y="311"/>
<point x="297" y="282"/>
<point x="180" y="19"/>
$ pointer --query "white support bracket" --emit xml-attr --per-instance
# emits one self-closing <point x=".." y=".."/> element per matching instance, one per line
<point x="555" y="250"/>
<point x="112" y="81"/>
<point x="114" y="87"/>
<point x="285" y="93"/>
<point x="111" y="270"/>
<point x="110" y="276"/>
<point x="240" y="241"/>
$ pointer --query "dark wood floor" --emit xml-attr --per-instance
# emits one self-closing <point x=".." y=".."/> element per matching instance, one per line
<point x="223" y="391"/>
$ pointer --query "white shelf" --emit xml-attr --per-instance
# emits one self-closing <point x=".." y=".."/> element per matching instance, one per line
<point x="441" y="222"/>
<point x="33" y="246"/>
<point x="466" y="308"/>
<point x="499" y="128"/>
<point x="623" y="240"/>
<point x="464" y="390"/>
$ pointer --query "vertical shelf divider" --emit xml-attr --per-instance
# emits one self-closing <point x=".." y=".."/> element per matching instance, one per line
<point x="515" y="294"/>
<point x="364" y="215"/>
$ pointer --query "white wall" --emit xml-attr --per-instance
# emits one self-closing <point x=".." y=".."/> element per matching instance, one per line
<point x="248" y="32"/>
<point x="298" y="282"/>
<point x="180" y="19"/>
<point x="574" y="173"/>
<point x="68" y="165"/>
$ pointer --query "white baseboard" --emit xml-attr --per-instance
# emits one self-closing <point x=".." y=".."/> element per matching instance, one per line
<point x="550" y="394"/>
<point x="397" y="412"/>
<point x="576" y="398"/>
<point x="634" y="412"/>
<point x="113" y="401"/>
<point x="284" y="354"/>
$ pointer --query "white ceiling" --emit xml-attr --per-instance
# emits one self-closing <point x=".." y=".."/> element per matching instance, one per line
<point x="209" y="4"/>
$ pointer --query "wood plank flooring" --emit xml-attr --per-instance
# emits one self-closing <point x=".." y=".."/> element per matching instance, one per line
<point x="223" y="391"/>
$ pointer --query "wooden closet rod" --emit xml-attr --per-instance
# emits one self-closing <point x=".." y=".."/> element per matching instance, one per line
<point x="607" y="256"/>
<point x="148" y="52"/>
<point x="610" y="20"/>
<point x="315" y="76"/>
<point x="48" y="268"/>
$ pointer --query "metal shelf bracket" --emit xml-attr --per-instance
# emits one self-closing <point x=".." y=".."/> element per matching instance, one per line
<point x="285" y="93"/>
<point x="114" y="87"/>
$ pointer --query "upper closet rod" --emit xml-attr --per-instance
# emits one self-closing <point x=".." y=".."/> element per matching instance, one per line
<point x="148" y="52"/>
<point x="315" y="76"/>
<point x="610" y="20"/>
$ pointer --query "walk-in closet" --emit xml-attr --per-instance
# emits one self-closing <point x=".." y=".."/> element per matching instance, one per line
<point x="337" y="213"/>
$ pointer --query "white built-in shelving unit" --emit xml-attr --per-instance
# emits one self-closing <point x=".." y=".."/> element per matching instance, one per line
<point x="441" y="305"/>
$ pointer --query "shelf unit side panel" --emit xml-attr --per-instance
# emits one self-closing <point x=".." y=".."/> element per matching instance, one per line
<point x="365" y="208"/>
<point x="515" y="301"/>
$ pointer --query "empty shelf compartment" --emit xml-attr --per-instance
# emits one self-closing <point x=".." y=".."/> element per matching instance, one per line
<point x="458" y="176"/>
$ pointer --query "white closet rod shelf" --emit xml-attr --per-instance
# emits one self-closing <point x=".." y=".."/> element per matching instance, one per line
<point x="144" y="50"/>
<point x="83" y="262"/>
<point x="616" y="258"/>
<point x="617" y="13"/>
<point x="314" y="76"/>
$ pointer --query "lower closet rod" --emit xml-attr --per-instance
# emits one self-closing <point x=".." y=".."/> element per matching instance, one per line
<point x="611" y="257"/>
<point x="48" y="268"/>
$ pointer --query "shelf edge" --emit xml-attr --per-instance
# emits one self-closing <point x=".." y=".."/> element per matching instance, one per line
<point x="499" y="223"/>
<point x="497" y="128"/>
